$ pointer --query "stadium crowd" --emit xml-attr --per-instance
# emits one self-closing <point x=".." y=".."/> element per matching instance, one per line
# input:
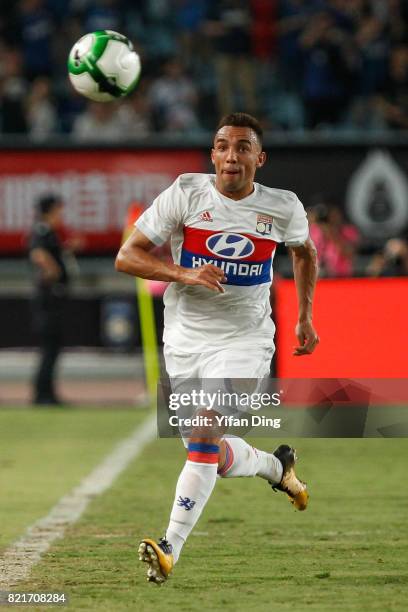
<point x="338" y="65"/>
<point x="339" y="245"/>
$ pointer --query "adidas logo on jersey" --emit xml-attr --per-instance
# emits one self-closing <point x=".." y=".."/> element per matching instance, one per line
<point x="206" y="216"/>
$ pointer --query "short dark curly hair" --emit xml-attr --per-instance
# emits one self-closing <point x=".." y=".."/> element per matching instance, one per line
<point x="242" y="120"/>
<point x="46" y="203"/>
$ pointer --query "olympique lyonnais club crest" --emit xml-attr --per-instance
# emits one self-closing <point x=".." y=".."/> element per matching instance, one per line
<point x="264" y="224"/>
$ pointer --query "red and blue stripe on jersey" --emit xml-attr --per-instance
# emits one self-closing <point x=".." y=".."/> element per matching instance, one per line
<point x="245" y="259"/>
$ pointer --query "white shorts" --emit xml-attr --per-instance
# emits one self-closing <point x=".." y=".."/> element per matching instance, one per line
<point x="221" y="373"/>
<point x="220" y="363"/>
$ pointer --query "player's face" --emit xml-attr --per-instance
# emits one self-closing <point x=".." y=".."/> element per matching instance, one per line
<point x="55" y="216"/>
<point x="236" y="156"/>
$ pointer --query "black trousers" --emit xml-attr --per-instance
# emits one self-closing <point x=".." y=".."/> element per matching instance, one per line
<point x="48" y="323"/>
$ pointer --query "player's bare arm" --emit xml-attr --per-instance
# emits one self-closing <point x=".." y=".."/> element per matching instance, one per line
<point x="135" y="258"/>
<point x="305" y="270"/>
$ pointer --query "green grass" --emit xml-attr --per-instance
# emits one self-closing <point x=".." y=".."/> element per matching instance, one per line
<point x="250" y="550"/>
<point x="44" y="453"/>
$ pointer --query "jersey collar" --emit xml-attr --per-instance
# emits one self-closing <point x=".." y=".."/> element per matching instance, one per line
<point x="247" y="200"/>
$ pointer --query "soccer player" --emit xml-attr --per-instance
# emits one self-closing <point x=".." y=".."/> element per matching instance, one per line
<point x="224" y="229"/>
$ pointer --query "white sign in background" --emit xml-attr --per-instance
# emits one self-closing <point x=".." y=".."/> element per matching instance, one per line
<point x="94" y="201"/>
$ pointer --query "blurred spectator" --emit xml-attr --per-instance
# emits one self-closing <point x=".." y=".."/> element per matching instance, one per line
<point x="9" y="27"/>
<point x="137" y="113"/>
<point x="229" y="25"/>
<point x="373" y="45"/>
<point x="329" y="65"/>
<point x="293" y="17"/>
<point x="370" y="27"/>
<point x="159" y="36"/>
<point x="103" y="121"/>
<point x="264" y="29"/>
<point x="396" y="13"/>
<point x="173" y="98"/>
<point x="36" y="35"/>
<point x="13" y="89"/>
<point x="41" y="111"/>
<point x="391" y="261"/>
<point x="189" y="17"/>
<point x="264" y="52"/>
<point x="393" y="101"/>
<point x="336" y="241"/>
<point x="103" y="15"/>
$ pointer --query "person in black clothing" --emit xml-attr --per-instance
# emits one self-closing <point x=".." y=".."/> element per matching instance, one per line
<point x="392" y="100"/>
<point x="229" y="24"/>
<point x="50" y="294"/>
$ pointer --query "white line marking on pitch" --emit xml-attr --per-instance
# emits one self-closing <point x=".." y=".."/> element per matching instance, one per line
<point x="18" y="559"/>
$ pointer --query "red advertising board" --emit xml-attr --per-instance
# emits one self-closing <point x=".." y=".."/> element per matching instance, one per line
<point x="97" y="187"/>
<point x="362" y="324"/>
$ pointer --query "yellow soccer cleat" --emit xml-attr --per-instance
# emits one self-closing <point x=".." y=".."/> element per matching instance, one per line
<point x="159" y="557"/>
<point x="294" y="488"/>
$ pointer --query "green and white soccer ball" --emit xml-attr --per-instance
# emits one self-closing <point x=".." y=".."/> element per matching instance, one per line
<point x="103" y="66"/>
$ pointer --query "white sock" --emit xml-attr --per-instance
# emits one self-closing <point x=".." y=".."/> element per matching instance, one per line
<point x="194" y="487"/>
<point x="245" y="460"/>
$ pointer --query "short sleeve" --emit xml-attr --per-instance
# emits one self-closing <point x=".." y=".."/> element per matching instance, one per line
<point x="297" y="231"/>
<point x="165" y="214"/>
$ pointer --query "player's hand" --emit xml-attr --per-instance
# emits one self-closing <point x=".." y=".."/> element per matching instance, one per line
<point x="307" y="337"/>
<point x="50" y="273"/>
<point x="209" y="276"/>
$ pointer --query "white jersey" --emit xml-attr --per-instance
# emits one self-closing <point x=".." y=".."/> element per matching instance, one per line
<point x="239" y="236"/>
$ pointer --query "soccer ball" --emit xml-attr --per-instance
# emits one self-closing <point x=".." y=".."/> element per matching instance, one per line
<point x="102" y="66"/>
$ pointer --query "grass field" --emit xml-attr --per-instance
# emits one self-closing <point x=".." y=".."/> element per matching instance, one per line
<point x="250" y="550"/>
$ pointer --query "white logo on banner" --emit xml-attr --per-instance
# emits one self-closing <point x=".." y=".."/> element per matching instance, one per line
<point x="377" y="196"/>
<point x="94" y="201"/>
